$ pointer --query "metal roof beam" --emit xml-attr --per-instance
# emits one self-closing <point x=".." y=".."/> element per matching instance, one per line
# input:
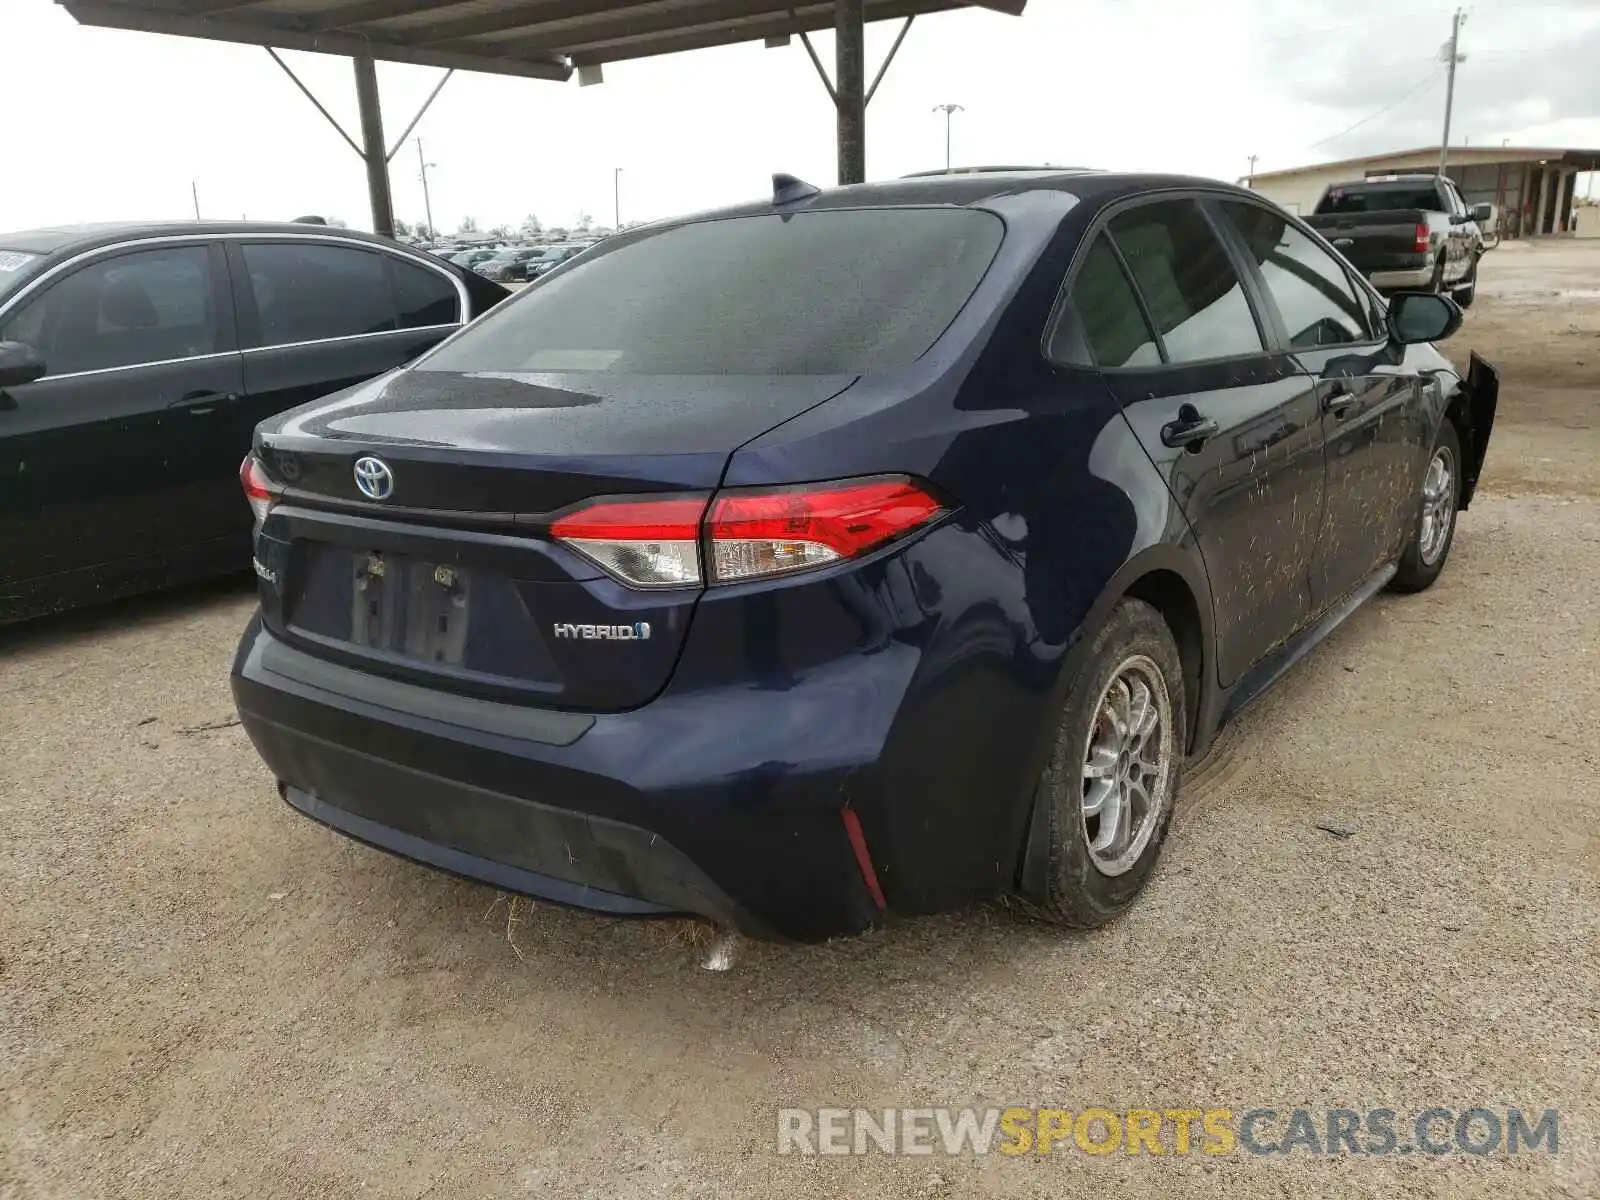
<point x="548" y="14"/>
<point x="804" y="20"/>
<point x="342" y="16"/>
<point x="201" y="8"/>
<point x="291" y="37"/>
<point x="645" y="20"/>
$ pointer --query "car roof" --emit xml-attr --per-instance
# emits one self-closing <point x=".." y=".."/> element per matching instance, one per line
<point x="83" y="237"/>
<point x="974" y="189"/>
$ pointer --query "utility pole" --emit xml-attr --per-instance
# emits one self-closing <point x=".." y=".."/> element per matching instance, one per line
<point x="1250" y="179"/>
<point x="616" y="199"/>
<point x="194" y="190"/>
<point x="1449" y="52"/>
<point x="949" y="110"/>
<point x="427" y="202"/>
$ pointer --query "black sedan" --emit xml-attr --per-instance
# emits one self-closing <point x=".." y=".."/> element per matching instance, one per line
<point x="135" y="361"/>
<point x="509" y="265"/>
<point x="853" y="553"/>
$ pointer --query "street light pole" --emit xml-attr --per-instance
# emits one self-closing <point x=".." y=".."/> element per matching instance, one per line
<point x="616" y="199"/>
<point x="949" y="110"/>
<point x="427" y="202"/>
<point x="1250" y="179"/>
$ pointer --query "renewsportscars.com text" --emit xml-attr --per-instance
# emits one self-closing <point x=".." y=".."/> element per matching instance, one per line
<point x="1375" y="1132"/>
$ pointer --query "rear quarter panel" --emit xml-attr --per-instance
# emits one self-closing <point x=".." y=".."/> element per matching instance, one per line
<point x="1053" y="502"/>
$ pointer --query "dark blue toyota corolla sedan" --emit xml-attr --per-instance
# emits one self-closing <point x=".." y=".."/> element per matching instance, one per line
<point x="851" y="553"/>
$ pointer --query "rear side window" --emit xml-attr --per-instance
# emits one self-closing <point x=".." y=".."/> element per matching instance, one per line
<point x="308" y="291"/>
<point x="423" y="297"/>
<point x="1380" y="197"/>
<point x="145" y="307"/>
<point x="1108" y="313"/>
<point x="852" y="292"/>
<point x="1308" y="284"/>
<point x="1188" y="283"/>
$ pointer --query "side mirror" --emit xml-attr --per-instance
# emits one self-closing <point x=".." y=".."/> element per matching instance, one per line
<point x="1483" y="214"/>
<point x="1416" y="317"/>
<point x="19" y="363"/>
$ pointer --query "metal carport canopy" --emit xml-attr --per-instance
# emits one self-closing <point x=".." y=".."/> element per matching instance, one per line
<point x="540" y="39"/>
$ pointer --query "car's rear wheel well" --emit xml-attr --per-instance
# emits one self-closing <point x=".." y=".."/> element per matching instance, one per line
<point x="1169" y="594"/>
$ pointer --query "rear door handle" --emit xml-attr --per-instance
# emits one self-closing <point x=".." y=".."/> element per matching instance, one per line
<point x="201" y="403"/>
<point x="1189" y="429"/>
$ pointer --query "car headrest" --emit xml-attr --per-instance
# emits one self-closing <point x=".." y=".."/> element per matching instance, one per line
<point x="125" y="304"/>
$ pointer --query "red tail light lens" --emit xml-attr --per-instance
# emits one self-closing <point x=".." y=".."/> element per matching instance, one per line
<point x="758" y="534"/>
<point x="1424" y="239"/>
<point x="654" y="542"/>
<point x="647" y="543"/>
<point x="259" y="491"/>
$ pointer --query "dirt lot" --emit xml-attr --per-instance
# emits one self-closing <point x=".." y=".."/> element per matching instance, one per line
<point x="202" y="994"/>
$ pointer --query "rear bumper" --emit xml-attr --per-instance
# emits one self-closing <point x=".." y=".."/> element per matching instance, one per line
<point x="646" y="813"/>
<point x="1401" y="278"/>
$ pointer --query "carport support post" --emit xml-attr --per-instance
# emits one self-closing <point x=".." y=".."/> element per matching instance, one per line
<point x="373" y="149"/>
<point x="850" y="86"/>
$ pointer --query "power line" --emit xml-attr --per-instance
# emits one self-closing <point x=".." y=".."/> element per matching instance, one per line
<point x="1387" y="108"/>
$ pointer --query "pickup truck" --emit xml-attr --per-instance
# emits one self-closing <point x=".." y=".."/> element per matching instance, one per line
<point x="1410" y="232"/>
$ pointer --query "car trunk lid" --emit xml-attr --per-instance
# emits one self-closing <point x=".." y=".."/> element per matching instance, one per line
<point x="449" y="575"/>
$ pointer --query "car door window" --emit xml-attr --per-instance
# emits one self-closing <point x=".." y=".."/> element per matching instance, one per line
<point x="127" y="310"/>
<point x="1189" y="286"/>
<point x="1308" y="285"/>
<point x="312" y="291"/>
<point x="423" y="297"/>
<point x="1108" y="313"/>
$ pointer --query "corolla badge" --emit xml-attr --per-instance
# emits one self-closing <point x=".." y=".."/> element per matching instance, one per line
<point x="374" y="478"/>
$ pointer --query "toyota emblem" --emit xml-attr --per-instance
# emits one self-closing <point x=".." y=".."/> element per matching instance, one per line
<point x="374" y="478"/>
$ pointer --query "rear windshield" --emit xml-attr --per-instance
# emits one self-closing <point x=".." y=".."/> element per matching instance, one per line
<point x="1380" y="197"/>
<point x="13" y="268"/>
<point x="845" y="292"/>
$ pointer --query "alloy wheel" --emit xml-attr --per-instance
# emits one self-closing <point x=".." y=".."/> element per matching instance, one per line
<point x="1438" y="505"/>
<point x="1127" y="766"/>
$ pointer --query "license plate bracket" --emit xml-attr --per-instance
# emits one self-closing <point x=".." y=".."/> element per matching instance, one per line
<point x="419" y="610"/>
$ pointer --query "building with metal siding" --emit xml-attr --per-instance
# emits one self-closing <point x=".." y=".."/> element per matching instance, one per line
<point x="1532" y="188"/>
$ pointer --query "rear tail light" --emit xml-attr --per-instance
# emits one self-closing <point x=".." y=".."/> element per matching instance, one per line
<point x="648" y="543"/>
<point x="654" y="542"/>
<point x="756" y="534"/>
<point x="259" y="491"/>
<point x="1424" y="239"/>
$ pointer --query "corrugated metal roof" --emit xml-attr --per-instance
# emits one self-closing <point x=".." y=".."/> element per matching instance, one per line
<point x="540" y="38"/>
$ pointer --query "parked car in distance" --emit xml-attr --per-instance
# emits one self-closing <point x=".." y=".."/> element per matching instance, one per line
<point x="553" y="256"/>
<point x="471" y="258"/>
<point x="853" y="553"/>
<point x="508" y="265"/>
<point x="141" y="358"/>
<point x="1407" y="232"/>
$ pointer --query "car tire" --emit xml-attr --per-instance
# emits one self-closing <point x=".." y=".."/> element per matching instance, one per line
<point x="1434" y="529"/>
<point x="1101" y="764"/>
<point x="1467" y="290"/>
<point x="1436" y="285"/>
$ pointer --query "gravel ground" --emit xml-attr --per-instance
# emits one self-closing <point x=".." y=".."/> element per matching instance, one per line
<point x="203" y="995"/>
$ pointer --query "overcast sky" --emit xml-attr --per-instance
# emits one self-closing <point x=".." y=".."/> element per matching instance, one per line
<point x="108" y="125"/>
